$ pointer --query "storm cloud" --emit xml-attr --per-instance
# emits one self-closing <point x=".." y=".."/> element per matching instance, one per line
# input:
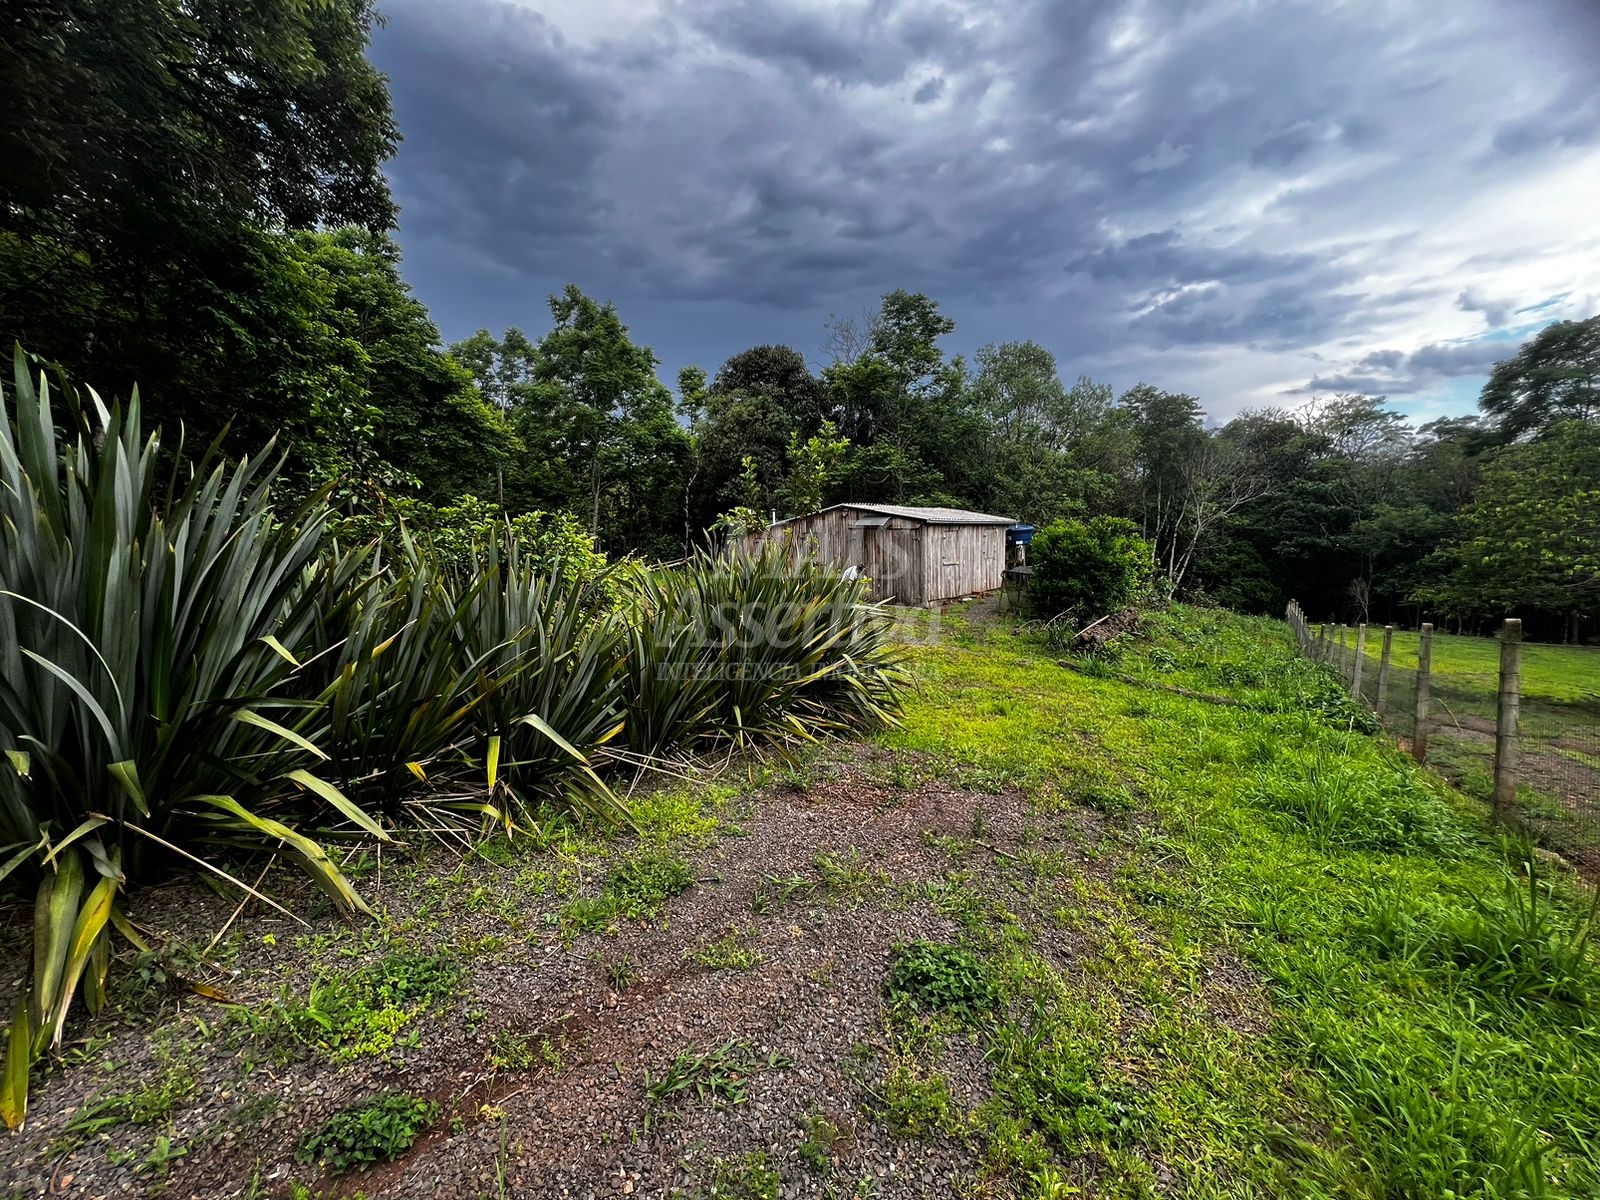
<point x="1238" y="200"/>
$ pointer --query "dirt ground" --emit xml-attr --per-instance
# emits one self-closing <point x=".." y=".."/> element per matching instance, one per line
<point x="605" y="1010"/>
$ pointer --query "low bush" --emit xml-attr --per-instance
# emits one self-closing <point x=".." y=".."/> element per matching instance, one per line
<point x="940" y="976"/>
<point x="454" y="533"/>
<point x="366" y="1012"/>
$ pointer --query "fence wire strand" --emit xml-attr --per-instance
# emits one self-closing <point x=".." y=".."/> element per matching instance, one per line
<point x="1558" y="760"/>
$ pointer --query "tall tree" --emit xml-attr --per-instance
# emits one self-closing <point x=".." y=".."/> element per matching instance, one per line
<point x="1531" y="537"/>
<point x="1554" y="377"/>
<point x="145" y="150"/>
<point x="595" y="402"/>
<point x="759" y="400"/>
<point x="423" y="422"/>
<point x="1043" y="444"/>
<point x="901" y="403"/>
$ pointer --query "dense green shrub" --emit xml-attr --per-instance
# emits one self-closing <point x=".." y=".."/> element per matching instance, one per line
<point x="1088" y="568"/>
<point x="455" y="534"/>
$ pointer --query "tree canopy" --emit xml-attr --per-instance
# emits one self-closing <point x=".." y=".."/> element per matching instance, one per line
<point x="194" y="201"/>
<point x="1554" y="377"/>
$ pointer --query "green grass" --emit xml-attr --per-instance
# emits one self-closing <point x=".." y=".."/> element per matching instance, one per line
<point x="1423" y="1022"/>
<point x="370" y="1011"/>
<point x="636" y="889"/>
<point x="1559" y="720"/>
<point x="1563" y="674"/>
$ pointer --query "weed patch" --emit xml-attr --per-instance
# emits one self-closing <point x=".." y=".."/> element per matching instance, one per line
<point x="729" y="953"/>
<point x="636" y="889"/>
<point x="915" y="1103"/>
<point x="722" y="1074"/>
<point x="941" y="977"/>
<point x="368" y="1012"/>
<point x="378" y="1129"/>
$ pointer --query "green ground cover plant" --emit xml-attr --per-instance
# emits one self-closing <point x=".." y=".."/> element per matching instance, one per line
<point x="1426" y="1023"/>
<point x="1558" y="673"/>
<point x="374" y="1130"/>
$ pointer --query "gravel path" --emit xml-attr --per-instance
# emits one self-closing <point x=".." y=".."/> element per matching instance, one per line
<point x="574" y="1123"/>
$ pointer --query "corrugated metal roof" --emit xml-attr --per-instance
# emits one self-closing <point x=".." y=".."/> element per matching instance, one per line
<point x="934" y="516"/>
<point x="928" y="515"/>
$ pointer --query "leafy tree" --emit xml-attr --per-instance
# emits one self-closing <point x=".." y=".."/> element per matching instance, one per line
<point x="745" y="517"/>
<point x="1528" y="538"/>
<point x="501" y="367"/>
<point x="595" y="406"/>
<point x="906" y="336"/>
<point x="144" y="151"/>
<point x="133" y="129"/>
<point x="1042" y="443"/>
<point x="1020" y="395"/>
<point x="423" y="421"/>
<point x="901" y="404"/>
<point x="692" y="388"/>
<point x="758" y="402"/>
<point x="1554" y="377"/>
<point x="813" y="465"/>
<point x="777" y="371"/>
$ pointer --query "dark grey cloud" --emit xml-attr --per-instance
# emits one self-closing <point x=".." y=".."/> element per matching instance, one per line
<point x="817" y="45"/>
<point x="1496" y="312"/>
<point x="1396" y="373"/>
<point x="504" y="131"/>
<point x="1252" y="194"/>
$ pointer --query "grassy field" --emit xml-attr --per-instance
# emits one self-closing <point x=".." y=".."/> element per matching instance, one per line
<point x="1063" y="932"/>
<point x="1427" y="1033"/>
<point x="1559" y="674"/>
<point x="1559" y="719"/>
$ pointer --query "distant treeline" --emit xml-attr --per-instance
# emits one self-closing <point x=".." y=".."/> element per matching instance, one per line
<point x="194" y="202"/>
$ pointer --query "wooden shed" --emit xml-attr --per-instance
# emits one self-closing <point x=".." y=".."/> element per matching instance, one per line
<point x="913" y="555"/>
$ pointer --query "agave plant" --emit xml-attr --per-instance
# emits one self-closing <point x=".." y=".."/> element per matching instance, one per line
<point x="151" y="627"/>
<point x="753" y="648"/>
<point x="551" y="654"/>
<point x="396" y="689"/>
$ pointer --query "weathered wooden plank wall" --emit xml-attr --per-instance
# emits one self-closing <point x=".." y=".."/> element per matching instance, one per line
<point x="908" y="561"/>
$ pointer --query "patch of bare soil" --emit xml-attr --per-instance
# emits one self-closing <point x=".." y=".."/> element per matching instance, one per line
<point x="605" y="1011"/>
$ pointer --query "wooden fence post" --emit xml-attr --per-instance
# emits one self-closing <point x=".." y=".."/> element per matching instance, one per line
<point x="1322" y="643"/>
<point x="1507" y="749"/>
<point x="1383" y="670"/>
<point x="1360" y="661"/>
<point x="1344" y="667"/>
<point x="1419" y="730"/>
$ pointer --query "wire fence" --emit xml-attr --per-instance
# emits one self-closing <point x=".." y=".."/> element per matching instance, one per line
<point x="1515" y="725"/>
